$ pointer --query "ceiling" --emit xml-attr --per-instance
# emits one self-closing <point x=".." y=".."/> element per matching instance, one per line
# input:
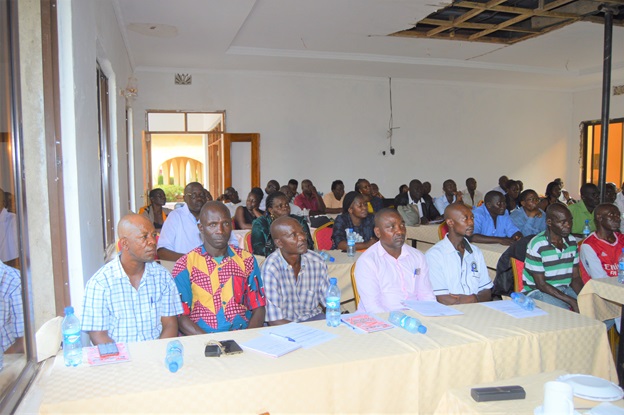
<point x="352" y="37"/>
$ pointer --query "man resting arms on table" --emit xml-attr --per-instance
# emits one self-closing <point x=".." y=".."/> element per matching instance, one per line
<point x="390" y="272"/>
<point x="457" y="268"/>
<point x="295" y="278"/>
<point x="132" y="298"/>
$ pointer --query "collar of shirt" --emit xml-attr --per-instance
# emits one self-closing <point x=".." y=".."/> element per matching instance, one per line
<point x="381" y="251"/>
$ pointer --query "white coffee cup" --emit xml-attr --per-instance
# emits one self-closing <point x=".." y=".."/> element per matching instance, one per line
<point x="558" y="399"/>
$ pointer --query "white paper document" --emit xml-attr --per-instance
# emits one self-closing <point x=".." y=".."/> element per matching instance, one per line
<point x="431" y="308"/>
<point x="271" y="345"/>
<point x="513" y="309"/>
<point x="304" y="335"/>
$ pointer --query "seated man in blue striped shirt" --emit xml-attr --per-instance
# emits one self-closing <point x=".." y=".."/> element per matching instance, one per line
<point x="132" y="298"/>
<point x="295" y="279"/>
<point x="551" y="269"/>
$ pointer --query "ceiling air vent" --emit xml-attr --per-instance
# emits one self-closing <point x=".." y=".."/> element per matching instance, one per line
<point x="618" y="90"/>
<point x="183" y="79"/>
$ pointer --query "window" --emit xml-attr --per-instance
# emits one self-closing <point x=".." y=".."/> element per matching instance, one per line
<point x="592" y="131"/>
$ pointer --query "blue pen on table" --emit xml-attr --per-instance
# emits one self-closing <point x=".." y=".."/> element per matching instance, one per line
<point x="290" y="339"/>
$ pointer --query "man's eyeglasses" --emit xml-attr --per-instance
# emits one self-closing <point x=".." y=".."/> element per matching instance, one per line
<point x="194" y="196"/>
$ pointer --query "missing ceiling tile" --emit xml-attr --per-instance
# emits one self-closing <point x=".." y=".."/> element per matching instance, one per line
<point x="183" y="79"/>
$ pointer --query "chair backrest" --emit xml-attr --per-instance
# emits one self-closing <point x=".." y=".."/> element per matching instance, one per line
<point x="248" y="246"/>
<point x="356" y="296"/>
<point x="442" y="230"/>
<point x="322" y="237"/>
<point x="517" y="267"/>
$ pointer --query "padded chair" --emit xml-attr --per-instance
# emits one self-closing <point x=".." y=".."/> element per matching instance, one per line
<point x="442" y="230"/>
<point x="356" y="296"/>
<point x="248" y="246"/>
<point x="517" y="267"/>
<point x="322" y="237"/>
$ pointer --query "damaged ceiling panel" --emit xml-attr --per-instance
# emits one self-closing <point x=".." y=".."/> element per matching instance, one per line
<point x="509" y="21"/>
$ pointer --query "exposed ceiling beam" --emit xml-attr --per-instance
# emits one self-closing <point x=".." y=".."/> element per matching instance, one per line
<point x="467" y="16"/>
<point x="475" y="26"/>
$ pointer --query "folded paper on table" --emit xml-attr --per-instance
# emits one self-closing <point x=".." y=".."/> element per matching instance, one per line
<point x="510" y="308"/>
<point x="306" y="336"/>
<point x="271" y="345"/>
<point x="431" y="308"/>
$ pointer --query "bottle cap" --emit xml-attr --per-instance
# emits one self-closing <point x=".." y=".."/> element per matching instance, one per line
<point x="333" y="281"/>
<point x="173" y="367"/>
<point x="332" y="259"/>
<point x="422" y="329"/>
<point x="69" y="310"/>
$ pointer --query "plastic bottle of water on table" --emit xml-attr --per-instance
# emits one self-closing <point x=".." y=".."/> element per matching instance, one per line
<point x="72" y="344"/>
<point x="523" y="301"/>
<point x="326" y="257"/>
<point x="175" y="356"/>
<point x="586" y="230"/>
<point x="411" y="324"/>
<point x="620" y="276"/>
<point x="350" y="242"/>
<point x="332" y="304"/>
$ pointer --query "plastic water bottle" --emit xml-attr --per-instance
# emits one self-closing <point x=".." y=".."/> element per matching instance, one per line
<point x="175" y="356"/>
<point x="411" y="324"/>
<point x="72" y="344"/>
<point x="523" y="301"/>
<point x="332" y="303"/>
<point x="350" y="242"/>
<point x="621" y="268"/>
<point x="326" y="257"/>
<point x="586" y="230"/>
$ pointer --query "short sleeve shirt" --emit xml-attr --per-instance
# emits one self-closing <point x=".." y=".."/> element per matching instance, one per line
<point x="12" y="309"/>
<point x="557" y="265"/>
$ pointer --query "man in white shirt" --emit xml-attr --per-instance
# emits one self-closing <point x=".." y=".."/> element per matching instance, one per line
<point x="451" y="195"/>
<point x="472" y="196"/>
<point x="502" y="184"/>
<point x="8" y="234"/>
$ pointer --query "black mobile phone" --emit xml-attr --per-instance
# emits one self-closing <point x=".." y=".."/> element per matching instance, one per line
<point x="231" y="347"/>
<point x="108" y="349"/>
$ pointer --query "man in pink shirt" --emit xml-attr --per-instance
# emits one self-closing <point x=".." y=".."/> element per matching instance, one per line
<point x="310" y="199"/>
<point x="390" y="272"/>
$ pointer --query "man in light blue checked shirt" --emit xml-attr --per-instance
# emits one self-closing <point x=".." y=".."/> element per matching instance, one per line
<point x="132" y="298"/>
<point x="12" y="311"/>
<point x="295" y="279"/>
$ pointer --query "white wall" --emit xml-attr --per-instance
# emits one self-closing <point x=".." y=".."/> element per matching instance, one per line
<point x="328" y="127"/>
<point x="89" y="34"/>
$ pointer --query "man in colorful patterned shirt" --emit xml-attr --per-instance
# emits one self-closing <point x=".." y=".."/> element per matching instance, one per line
<point x="220" y="284"/>
<point x="296" y="278"/>
<point x="551" y="269"/>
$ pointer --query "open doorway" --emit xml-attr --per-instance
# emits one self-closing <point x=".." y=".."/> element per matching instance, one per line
<point x="181" y="147"/>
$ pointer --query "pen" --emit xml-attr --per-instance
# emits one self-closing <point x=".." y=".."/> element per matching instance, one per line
<point x="290" y="339"/>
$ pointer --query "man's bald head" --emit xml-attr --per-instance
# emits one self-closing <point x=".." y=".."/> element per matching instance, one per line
<point x="459" y="219"/>
<point x="130" y="223"/>
<point x="607" y="218"/>
<point x="212" y="206"/>
<point x="555" y="209"/>
<point x="289" y="236"/>
<point x="281" y="224"/>
<point x="384" y="213"/>
<point x="137" y="238"/>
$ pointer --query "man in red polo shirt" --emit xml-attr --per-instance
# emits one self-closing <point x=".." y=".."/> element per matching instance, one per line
<point x="310" y="199"/>
<point x="601" y="249"/>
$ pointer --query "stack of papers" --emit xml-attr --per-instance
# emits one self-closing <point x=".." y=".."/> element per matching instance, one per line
<point x="278" y="341"/>
<point x="431" y="308"/>
<point x="510" y="308"/>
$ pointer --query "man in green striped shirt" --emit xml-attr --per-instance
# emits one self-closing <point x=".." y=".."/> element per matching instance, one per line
<point x="551" y="269"/>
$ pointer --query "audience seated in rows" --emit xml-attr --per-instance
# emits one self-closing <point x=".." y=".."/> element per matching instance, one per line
<point x="471" y="195"/>
<point x="492" y="224"/>
<point x="457" y="268"/>
<point x="277" y="206"/>
<point x="600" y="251"/>
<point x="584" y="208"/>
<point x="551" y="268"/>
<point x="355" y="216"/>
<point x="333" y="199"/>
<point x="391" y="272"/>
<point x="413" y="207"/>
<point x="246" y="214"/>
<point x="451" y="195"/>
<point x="363" y="187"/>
<point x="295" y="278"/>
<point x="530" y="219"/>
<point x="132" y="298"/>
<point x="155" y="211"/>
<point x="220" y="284"/>
<point x="310" y="199"/>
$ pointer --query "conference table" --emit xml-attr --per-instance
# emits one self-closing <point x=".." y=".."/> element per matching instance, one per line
<point x="390" y="371"/>
<point x="602" y="299"/>
<point x="424" y="237"/>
